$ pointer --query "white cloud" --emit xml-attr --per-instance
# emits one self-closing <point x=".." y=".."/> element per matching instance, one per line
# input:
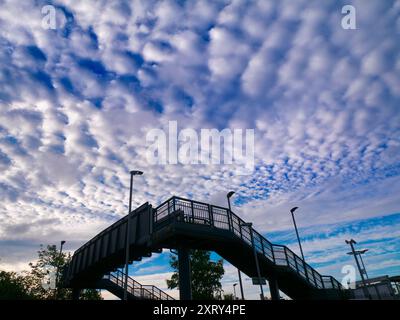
<point x="76" y="102"/>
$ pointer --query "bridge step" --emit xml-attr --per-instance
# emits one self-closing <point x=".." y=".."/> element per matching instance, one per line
<point x="115" y="283"/>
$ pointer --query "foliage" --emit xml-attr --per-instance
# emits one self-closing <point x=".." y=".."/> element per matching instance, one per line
<point x="206" y="275"/>
<point x="49" y="259"/>
<point x="36" y="283"/>
<point x="228" y="296"/>
<point x="13" y="287"/>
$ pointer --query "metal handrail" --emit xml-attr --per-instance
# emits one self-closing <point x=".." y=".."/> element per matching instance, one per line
<point x="136" y="289"/>
<point x="219" y="217"/>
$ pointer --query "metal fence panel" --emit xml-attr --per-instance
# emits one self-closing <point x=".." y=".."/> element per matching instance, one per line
<point x="280" y="256"/>
<point x="220" y="218"/>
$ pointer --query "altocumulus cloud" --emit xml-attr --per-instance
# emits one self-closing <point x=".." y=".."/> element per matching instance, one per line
<point x="76" y="103"/>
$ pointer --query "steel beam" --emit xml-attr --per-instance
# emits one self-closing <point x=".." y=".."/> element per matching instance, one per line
<point x="274" y="289"/>
<point x="185" y="287"/>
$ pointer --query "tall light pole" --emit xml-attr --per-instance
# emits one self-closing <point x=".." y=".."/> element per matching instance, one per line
<point x="228" y="196"/>
<point x="352" y="242"/>
<point x="359" y="253"/>
<point x="297" y="232"/>
<point x="58" y="268"/>
<point x="234" y="291"/>
<point x="133" y="173"/>
<point x="250" y="226"/>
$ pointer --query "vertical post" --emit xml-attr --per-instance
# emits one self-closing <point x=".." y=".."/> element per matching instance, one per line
<point x="366" y="291"/>
<point x="298" y="239"/>
<point x="262" y="247"/>
<point x="185" y="289"/>
<point x="274" y="289"/>
<point x="333" y="285"/>
<point x="273" y="255"/>
<point x="297" y="232"/>
<point x="210" y="215"/>
<point x="362" y="262"/>
<point x="228" y="196"/>
<point x="357" y="262"/>
<point x="127" y="240"/>
<point x="306" y="271"/>
<point x="286" y="257"/>
<point x="315" y="280"/>
<point x="230" y="223"/>
<point x="241" y="285"/>
<point x="192" y="209"/>
<point x="257" y="265"/>
<point x="127" y="243"/>
<point x="58" y="271"/>
<point x="297" y="265"/>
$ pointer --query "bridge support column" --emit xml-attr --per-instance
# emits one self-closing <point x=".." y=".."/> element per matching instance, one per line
<point x="274" y="289"/>
<point x="76" y="292"/>
<point x="185" y="288"/>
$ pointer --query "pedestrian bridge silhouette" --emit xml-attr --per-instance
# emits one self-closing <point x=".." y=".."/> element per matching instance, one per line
<point x="184" y="224"/>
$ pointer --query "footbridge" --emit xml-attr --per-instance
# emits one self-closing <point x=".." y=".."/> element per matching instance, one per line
<point x="183" y="224"/>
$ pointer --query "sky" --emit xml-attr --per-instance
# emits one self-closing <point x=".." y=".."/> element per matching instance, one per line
<point x="77" y="102"/>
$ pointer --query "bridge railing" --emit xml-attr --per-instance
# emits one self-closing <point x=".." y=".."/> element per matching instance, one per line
<point x="157" y="293"/>
<point x="136" y="289"/>
<point x="220" y="217"/>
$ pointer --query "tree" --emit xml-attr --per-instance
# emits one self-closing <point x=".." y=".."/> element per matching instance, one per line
<point x="45" y="270"/>
<point x="228" y="296"/>
<point x="13" y="287"/>
<point x="206" y="275"/>
<point x="39" y="282"/>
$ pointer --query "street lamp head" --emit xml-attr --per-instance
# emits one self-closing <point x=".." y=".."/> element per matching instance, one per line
<point x="351" y="241"/>
<point x="357" y="252"/>
<point x="293" y="209"/>
<point x="235" y="284"/>
<point x="136" y="173"/>
<point x="62" y="242"/>
<point x="230" y="194"/>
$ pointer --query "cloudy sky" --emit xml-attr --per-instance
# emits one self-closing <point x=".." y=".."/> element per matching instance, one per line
<point x="77" y="101"/>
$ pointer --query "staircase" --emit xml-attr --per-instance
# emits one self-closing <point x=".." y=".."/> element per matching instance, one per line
<point x="115" y="283"/>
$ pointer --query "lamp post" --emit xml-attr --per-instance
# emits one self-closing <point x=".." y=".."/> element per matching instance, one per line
<point x="234" y="291"/>
<point x="58" y="268"/>
<point x="359" y="253"/>
<point x="297" y="232"/>
<point x="133" y="173"/>
<point x="228" y="196"/>
<point x="352" y="242"/>
<point x="249" y="225"/>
